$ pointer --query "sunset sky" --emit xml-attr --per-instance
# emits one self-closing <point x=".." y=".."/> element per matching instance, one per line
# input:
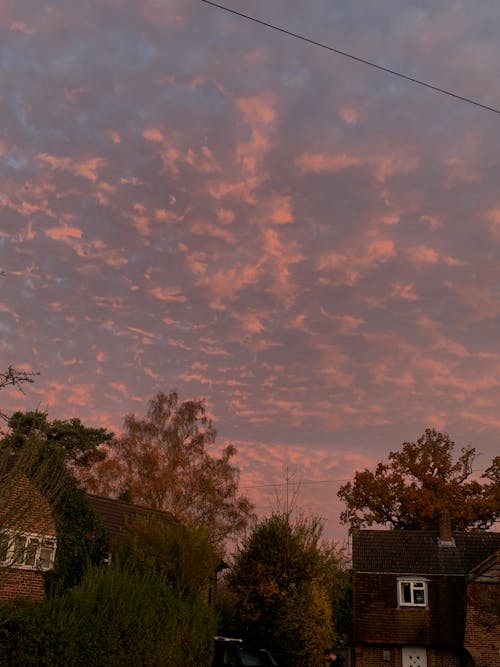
<point x="193" y="201"/>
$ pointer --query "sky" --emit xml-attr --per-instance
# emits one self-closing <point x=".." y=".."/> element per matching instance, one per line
<point x="192" y="201"/>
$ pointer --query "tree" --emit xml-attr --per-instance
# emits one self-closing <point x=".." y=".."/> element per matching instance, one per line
<point x="421" y="482"/>
<point x="163" y="461"/>
<point x="13" y="377"/>
<point x="16" y="378"/>
<point x="280" y="588"/>
<point x="79" y="443"/>
<point x="182" y="554"/>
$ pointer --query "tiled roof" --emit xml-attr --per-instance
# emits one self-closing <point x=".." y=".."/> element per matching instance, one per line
<point x="419" y="552"/>
<point x="488" y="569"/>
<point x="117" y="515"/>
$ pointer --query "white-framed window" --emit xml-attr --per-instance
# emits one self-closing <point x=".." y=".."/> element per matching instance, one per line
<point x="27" y="551"/>
<point x="412" y="592"/>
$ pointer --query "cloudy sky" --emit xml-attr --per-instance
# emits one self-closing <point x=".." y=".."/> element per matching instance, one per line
<point x="191" y="200"/>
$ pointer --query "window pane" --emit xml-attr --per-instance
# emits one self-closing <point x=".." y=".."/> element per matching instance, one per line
<point x="250" y="657"/>
<point x="4" y="547"/>
<point x="45" y="559"/>
<point x="19" y="548"/>
<point x="30" y="555"/>
<point x="419" y="596"/>
<point x="406" y="593"/>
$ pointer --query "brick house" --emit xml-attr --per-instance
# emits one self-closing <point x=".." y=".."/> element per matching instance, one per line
<point x="426" y="598"/>
<point x="28" y="538"/>
<point x="482" y="623"/>
<point x="28" y="541"/>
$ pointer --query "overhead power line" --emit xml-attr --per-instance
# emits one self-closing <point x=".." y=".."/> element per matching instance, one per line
<point x="299" y="483"/>
<point x="387" y="70"/>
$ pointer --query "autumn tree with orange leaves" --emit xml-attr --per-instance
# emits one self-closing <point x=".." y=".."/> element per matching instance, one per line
<point x="421" y="482"/>
<point x="166" y="460"/>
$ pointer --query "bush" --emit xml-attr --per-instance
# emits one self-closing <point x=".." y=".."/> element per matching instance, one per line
<point x="115" y="616"/>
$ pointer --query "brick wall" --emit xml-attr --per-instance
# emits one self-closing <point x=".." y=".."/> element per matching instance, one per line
<point x="24" y="509"/>
<point x="26" y="584"/>
<point x="374" y="656"/>
<point x="482" y="632"/>
<point x="379" y="620"/>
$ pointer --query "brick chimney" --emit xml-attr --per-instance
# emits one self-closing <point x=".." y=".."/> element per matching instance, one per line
<point x="445" y="535"/>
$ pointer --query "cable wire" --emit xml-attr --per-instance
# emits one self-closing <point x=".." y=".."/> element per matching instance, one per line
<point x="387" y="70"/>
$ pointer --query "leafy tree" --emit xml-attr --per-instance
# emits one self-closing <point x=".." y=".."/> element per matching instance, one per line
<point x="280" y="589"/>
<point x="163" y="461"/>
<point x="182" y="554"/>
<point x="80" y="539"/>
<point x="421" y="482"/>
<point x="79" y="443"/>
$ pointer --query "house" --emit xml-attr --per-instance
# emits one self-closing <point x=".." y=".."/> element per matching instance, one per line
<point x="28" y="541"/>
<point x="28" y="535"/>
<point x="426" y="598"/>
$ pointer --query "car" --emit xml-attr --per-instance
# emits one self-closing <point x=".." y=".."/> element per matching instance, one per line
<point x="232" y="652"/>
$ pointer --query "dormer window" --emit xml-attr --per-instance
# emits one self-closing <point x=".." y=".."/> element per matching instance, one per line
<point x="412" y="592"/>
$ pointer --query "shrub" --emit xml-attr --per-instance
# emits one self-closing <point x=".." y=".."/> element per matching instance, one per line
<point x="114" y="616"/>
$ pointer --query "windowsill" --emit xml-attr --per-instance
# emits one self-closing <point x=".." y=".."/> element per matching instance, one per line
<point x="413" y="607"/>
<point x="29" y="568"/>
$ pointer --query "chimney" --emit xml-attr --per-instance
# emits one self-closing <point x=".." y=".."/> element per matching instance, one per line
<point x="445" y="535"/>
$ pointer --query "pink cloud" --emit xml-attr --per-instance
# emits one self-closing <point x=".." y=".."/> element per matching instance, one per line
<point x="241" y="189"/>
<point x="153" y="134"/>
<point x="19" y="26"/>
<point x="384" y="165"/>
<point x="318" y="162"/>
<point x="168" y="294"/>
<point x="195" y="260"/>
<point x="225" y="284"/>
<point x="88" y="169"/>
<point x="151" y="373"/>
<point x="348" y="323"/>
<point x="404" y="291"/>
<point x="225" y="216"/>
<point x="177" y="342"/>
<point x="349" y="113"/>
<point x="211" y="347"/>
<point x="251" y="322"/>
<point x="209" y="229"/>
<point x="195" y="377"/>
<point x="392" y="164"/>
<point x="258" y="110"/>
<point x="353" y="262"/>
<point x="202" y="160"/>
<point x="451" y="346"/>
<point x="63" y="233"/>
<point x="424" y="255"/>
<point x="281" y="211"/>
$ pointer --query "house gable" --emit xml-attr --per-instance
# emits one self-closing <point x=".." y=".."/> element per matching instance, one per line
<point x="391" y="611"/>
<point x="482" y="628"/>
<point x="27" y="541"/>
